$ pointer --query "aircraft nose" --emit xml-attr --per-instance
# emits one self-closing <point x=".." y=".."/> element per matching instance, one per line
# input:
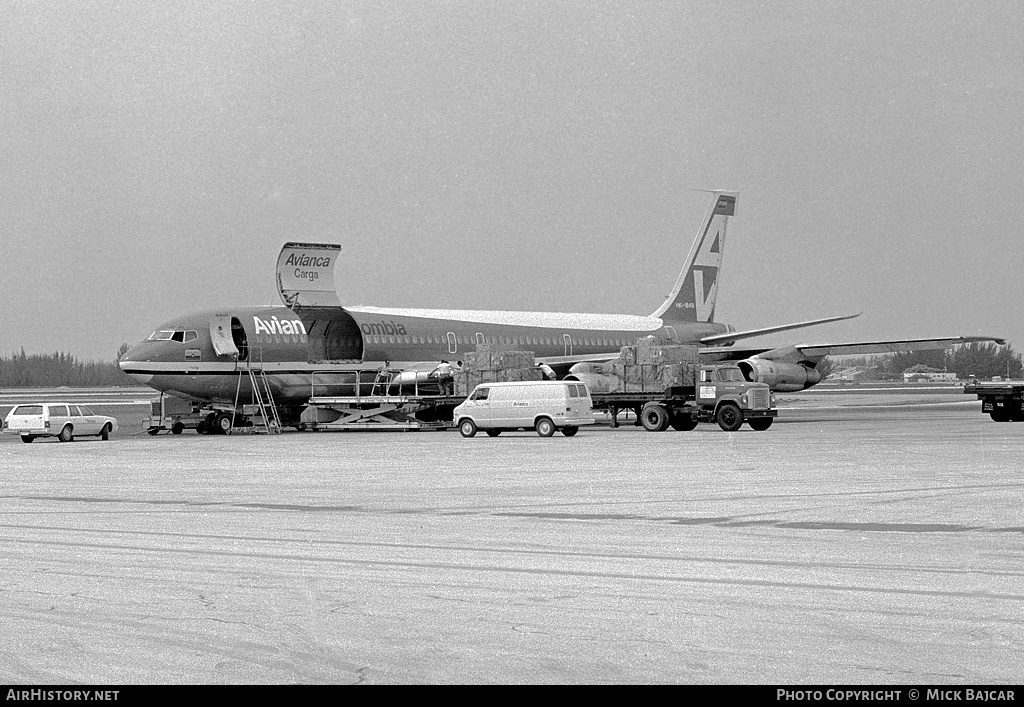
<point x="138" y="354"/>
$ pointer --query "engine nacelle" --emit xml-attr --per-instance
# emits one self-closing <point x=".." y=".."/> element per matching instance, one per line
<point x="781" y="377"/>
<point x="597" y="376"/>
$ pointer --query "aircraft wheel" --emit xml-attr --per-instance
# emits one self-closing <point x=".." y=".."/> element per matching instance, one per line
<point x="222" y="423"/>
<point x="570" y="431"/>
<point x="729" y="417"/>
<point x="27" y="439"/>
<point x="66" y="434"/>
<point x="654" y="418"/>
<point x="545" y="427"/>
<point x="493" y="433"/>
<point x="467" y="428"/>
<point x="760" y="423"/>
<point x="682" y="422"/>
<point x="105" y="433"/>
<point x="177" y="428"/>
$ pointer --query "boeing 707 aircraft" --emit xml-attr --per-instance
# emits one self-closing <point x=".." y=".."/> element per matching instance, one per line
<point x="313" y="344"/>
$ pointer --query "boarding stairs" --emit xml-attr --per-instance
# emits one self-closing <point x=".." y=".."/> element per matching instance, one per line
<point x="264" y="411"/>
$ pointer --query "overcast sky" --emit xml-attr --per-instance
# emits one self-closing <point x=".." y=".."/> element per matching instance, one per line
<point x="154" y="157"/>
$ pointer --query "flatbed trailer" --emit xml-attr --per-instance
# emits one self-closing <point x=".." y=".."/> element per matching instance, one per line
<point x="681" y="409"/>
<point x="1002" y="400"/>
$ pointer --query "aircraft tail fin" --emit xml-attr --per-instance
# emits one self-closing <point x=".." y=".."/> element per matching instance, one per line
<point x="693" y="296"/>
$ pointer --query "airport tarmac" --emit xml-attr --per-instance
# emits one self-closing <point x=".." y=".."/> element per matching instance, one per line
<point x="862" y="539"/>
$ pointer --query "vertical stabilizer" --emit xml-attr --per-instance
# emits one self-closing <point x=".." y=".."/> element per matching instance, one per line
<point x="693" y="297"/>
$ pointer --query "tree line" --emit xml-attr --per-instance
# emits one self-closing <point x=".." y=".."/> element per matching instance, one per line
<point x="21" y="370"/>
<point x="981" y="360"/>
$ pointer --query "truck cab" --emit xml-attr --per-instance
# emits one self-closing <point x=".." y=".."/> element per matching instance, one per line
<point x="727" y="397"/>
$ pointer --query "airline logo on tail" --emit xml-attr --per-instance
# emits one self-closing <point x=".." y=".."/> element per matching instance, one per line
<point x="693" y="297"/>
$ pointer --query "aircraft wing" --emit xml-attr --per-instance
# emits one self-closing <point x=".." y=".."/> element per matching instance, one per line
<point x="815" y="352"/>
<point x="737" y="335"/>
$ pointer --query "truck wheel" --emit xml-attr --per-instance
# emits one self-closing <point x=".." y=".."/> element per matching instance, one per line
<point x="760" y="423"/>
<point x="493" y="433"/>
<point x="66" y="434"/>
<point x="1000" y="415"/>
<point x="153" y="431"/>
<point x="105" y="433"/>
<point x="570" y="431"/>
<point x="683" y="422"/>
<point x="729" y="417"/>
<point x="222" y="423"/>
<point x="467" y="428"/>
<point x="27" y="439"/>
<point x="545" y="427"/>
<point x="654" y="418"/>
<point x="177" y="428"/>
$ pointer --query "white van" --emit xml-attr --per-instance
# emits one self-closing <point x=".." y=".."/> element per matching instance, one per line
<point x="542" y="405"/>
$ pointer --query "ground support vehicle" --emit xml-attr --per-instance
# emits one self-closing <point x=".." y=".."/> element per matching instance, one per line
<point x="1003" y="400"/>
<point x="666" y="386"/>
<point x="379" y="412"/>
<point x="175" y="415"/>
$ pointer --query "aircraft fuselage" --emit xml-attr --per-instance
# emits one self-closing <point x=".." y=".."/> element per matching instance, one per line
<point x="320" y="351"/>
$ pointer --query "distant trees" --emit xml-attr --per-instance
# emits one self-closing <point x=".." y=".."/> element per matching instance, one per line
<point x="980" y="359"/>
<point x="21" y="370"/>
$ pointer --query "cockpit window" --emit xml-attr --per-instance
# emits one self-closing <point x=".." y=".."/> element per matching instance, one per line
<point x="181" y="335"/>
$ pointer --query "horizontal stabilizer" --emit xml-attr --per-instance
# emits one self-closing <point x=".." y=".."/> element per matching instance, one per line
<point x="731" y="336"/>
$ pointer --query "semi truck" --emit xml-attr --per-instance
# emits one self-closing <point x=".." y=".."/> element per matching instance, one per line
<point x="666" y="386"/>
<point x="1002" y="400"/>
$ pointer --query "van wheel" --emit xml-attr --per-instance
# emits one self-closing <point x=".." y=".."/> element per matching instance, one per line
<point x="570" y="431"/>
<point x="66" y="434"/>
<point x="545" y="427"/>
<point x="729" y="417"/>
<point x="493" y="433"/>
<point x="760" y="423"/>
<point x="654" y="418"/>
<point x="683" y="422"/>
<point x="105" y="433"/>
<point x="177" y="428"/>
<point x="27" y="439"/>
<point x="467" y="428"/>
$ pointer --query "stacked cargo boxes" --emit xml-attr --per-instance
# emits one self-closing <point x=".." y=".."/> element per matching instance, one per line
<point x="495" y="363"/>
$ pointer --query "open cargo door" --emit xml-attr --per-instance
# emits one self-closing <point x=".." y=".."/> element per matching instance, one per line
<point x="305" y="275"/>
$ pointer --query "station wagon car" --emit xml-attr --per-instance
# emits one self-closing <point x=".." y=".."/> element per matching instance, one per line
<point x="65" y="421"/>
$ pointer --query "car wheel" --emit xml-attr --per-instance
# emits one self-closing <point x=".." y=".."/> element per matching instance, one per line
<point x="570" y="431"/>
<point x="27" y="439"/>
<point x="545" y="427"/>
<point x="105" y="433"/>
<point x="66" y="434"/>
<point x="729" y="417"/>
<point x="467" y="428"/>
<point x="493" y="433"/>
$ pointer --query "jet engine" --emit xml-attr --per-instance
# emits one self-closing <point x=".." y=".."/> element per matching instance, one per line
<point x="597" y="376"/>
<point x="783" y="377"/>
